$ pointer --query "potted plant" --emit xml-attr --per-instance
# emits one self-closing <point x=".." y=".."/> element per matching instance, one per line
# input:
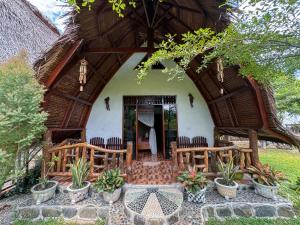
<point x="45" y="189"/>
<point x="226" y="185"/>
<point x="195" y="185"/>
<point x="110" y="184"/>
<point x="266" y="180"/>
<point x="79" y="188"/>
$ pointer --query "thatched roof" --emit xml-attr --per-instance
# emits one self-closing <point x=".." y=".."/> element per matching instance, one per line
<point x="23" y="27"/>
<point x="245" y="105"/>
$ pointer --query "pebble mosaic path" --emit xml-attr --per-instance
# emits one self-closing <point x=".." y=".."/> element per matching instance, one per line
<point x="153" y="203"/>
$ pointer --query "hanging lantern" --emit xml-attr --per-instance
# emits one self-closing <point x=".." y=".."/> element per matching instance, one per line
<point x="220" y="73"/>
<point x="82" y="73"/>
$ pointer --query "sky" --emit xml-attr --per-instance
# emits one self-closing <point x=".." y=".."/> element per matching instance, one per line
<point x="53" y="9"/>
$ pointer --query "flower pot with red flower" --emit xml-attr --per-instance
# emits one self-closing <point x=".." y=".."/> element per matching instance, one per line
<point x="195" y="185"/>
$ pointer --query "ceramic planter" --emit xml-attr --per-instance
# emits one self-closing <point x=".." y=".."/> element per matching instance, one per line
<point x="77" y="195"/>
<point x="112" y="197"/>
<point x="198" y="197"/>
<point x="40" y="195"/>
<point x="265" y="190"/>
<point x="226" y="191"/>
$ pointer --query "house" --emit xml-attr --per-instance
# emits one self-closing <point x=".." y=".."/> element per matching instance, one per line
<point x="23" y="27"/>
<point x="110" y="104"/>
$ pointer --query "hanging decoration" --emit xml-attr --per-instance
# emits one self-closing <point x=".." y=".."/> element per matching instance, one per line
<point x="220" y="73"/>
<point x="82" y="73"/>
<point x="191" y="98"/>
<point x="106" y="100"/>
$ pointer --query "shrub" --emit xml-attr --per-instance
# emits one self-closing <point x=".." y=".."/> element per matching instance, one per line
<point x="21" y="117"/>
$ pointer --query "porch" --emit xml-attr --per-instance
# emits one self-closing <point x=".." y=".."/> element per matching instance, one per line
<point x="147" y="169"/>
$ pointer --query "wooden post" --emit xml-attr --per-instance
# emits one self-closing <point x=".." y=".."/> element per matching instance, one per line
<point x="174" y="156"/>
<point x="83" y="135"/>
<point x="253" y="144"/>
<point x="46" y="156"/>
<point x="129" y="160"/>
<point x="213" y="159"/>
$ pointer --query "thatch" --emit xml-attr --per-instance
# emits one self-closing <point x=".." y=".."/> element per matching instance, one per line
<point x="245" y="105"/>
<point x="23" y="27"/>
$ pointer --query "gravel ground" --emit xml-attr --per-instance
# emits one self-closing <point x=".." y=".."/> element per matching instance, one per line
<point x="190" y="213"/>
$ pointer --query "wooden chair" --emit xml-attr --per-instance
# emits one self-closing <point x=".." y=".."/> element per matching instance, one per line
<point x="200" y="159"/>
<point x="97" y="141"/>
<point x="183" y="142"/>
<point x="199" y="141"/>
<point x="114" y="143"/>
<point x="98" y="157"/>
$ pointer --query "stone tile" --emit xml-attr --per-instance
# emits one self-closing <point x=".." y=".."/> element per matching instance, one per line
<point x="69" y="212"/>
<point x="103" y="212"/>
<point x="265" y="211"/>
<point x="285" y="211"/>
<point x="223" y="211"/>
<point x="51" y="211"/>
<point x="209" y="212"/>
<point x="242" y="210"/>
<point x="28" y="213"/>
<point x="88" y="212"/>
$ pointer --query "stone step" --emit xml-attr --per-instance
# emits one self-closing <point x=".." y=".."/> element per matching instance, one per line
<point x="153" y="205"/>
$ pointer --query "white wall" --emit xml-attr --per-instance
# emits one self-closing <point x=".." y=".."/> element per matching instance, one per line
<point x="195" y="121"/>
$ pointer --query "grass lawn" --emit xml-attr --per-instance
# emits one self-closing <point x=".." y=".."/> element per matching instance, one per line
<point x="284" y="160"/>
<point x="253" y="221"/>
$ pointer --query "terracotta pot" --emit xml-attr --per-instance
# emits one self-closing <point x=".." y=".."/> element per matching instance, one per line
<point x="226" y="191"/>
<point x="44" y="195"/>
<point x="77" y="195"/>
<point x="112" y="197"/>
<point x="265" y="190"/>
<point x="198" y="197"/>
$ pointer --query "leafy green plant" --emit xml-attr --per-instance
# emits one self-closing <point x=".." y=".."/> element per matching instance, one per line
<point x="109" y="181"/>
<point x="266" y="175"/>
<point x="228" y="171"/>
<point x="192" y="180"/>
<point x="44" y="179"/>
<point x="80" y="172"/>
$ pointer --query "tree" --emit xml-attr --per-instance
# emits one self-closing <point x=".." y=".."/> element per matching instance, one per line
<point x="21" y="117"/>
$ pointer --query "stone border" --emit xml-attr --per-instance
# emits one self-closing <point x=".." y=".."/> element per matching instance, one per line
<point x="88" y="213"/>
<point x="238" y="210"/>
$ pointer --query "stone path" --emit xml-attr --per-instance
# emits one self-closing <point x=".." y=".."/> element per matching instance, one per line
<point x="143" y="205"/>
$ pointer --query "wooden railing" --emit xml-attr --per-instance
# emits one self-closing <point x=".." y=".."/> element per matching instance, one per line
<point x="205" y="158"/>
<point x="99" y="159"/>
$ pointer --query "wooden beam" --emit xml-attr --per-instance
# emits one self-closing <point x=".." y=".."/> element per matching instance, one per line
<point x="66" y="129"/>
<point x="70" y="97"/>
<point x="116" y="50"/>
<point x="63" y="62"/>
<point x="224" y="97"/>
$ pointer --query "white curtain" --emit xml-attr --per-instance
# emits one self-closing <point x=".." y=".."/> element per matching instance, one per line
<point x="147" y="118"/>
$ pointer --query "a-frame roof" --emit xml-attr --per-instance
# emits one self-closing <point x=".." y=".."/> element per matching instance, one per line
<point x="107" y="41"/>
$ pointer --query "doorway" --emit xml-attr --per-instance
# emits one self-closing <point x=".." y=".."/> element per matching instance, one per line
<point x="164" y="112"/>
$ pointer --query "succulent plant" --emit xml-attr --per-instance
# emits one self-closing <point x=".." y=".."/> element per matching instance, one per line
<point x="228" y="171"/>
<point x="80" y="172"/>
<point x="266" y="175"/>
<point x="192" y="180"/>
<point x="109" y="181"/>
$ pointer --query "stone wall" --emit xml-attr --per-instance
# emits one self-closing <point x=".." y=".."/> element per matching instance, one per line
<point x="235" y="210"/>
<point x="89" y="213"/>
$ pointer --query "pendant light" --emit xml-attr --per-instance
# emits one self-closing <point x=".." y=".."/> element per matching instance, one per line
<point x="82" y="73"/>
